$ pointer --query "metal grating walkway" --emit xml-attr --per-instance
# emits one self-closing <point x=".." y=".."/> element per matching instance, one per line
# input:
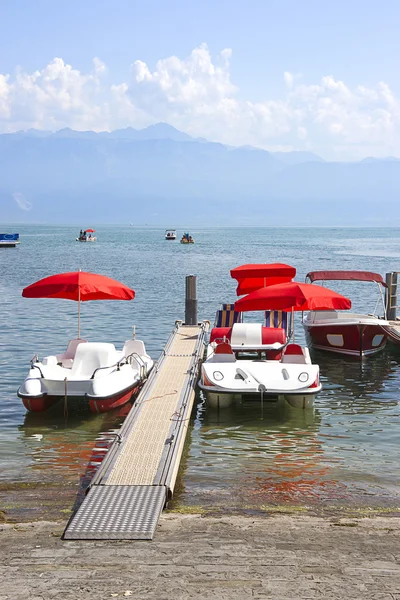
<point x="138" y="475"/>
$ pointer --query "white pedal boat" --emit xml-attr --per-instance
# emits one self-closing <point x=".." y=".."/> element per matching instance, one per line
<point x="252" y="359"/>
<point x="97" y="373"/>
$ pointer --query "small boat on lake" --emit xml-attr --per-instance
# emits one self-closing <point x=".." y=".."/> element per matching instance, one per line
<point x="247" y="359"/>
<point x="86" y="236"/>
<point x="347" y="333"/>
<point x="187" y="239"/>
<point x="9" y="240"/>
<point x="170" y="234"/>
<point x="91" y="373"/>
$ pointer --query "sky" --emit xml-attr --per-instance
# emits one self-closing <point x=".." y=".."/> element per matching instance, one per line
<point x="275" y="74"/>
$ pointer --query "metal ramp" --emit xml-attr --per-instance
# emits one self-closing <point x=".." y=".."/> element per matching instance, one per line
<point x="138" y="474"/>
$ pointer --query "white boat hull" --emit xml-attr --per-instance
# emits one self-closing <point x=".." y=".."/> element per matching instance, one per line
<point x="292" y="376"/>
<point x="103" y="377"/>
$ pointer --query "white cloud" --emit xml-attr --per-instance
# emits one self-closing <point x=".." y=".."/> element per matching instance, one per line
<point x="288" y="78"/>
<point x="197" y="95"/>
<point x="22" y="201"/>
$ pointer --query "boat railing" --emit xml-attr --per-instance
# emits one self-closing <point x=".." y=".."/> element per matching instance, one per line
<point x="34" y="360"/>
<point x="140" y="361"/>
<point x="118" y="365"/>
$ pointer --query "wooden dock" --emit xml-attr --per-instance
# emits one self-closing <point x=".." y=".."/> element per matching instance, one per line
<point x="138" y="474"/>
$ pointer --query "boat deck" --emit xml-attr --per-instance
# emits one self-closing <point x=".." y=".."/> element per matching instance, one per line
<point x="138" y="475"/>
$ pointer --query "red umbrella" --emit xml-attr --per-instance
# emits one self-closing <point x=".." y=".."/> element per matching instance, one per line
<point x="79" y="286"/>
<point x="293" y="296"/>
<point x="90" y="230"/>
<point x="255" y="276"/>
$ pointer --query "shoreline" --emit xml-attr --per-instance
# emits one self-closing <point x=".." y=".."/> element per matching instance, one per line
<point x="30" y="502"/>
<point x="196" y="556"/>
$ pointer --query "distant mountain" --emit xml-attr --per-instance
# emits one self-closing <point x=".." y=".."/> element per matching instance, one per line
<point x="160" y="131"/>
<point x="159" y="174"/>
<point x="296" y="157"/>
<point x="370" y="159"/>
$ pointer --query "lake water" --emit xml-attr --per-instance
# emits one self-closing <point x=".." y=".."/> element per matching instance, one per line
<point x="344" y="452"/>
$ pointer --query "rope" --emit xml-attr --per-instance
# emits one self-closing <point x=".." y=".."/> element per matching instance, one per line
<point x="65" y="399"/>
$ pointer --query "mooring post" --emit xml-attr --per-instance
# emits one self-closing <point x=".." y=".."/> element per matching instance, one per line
<point x="191" y="300"/>
<point x="391" y="295"/>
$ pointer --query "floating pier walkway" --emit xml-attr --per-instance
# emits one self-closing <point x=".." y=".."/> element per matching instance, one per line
<point x="138" y="474"/>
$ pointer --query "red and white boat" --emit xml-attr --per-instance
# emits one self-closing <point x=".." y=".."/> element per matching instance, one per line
<point x="93" y="373"/>
<point x="347" y="333"/>
<point x="244" y="359"/>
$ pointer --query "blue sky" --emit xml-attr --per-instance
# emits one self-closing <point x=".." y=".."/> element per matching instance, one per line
<point x="340" y="96"/>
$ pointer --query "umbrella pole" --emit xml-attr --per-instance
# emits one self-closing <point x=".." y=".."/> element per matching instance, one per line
<point x="79" y="313"/>
<point x="293" y="322"/>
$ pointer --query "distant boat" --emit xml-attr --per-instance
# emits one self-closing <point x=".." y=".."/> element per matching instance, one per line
<point x="9" y="240"/>
<point x="170" y="234"/>
<point x="86" y="236"/>
<point x="187" y="239"/>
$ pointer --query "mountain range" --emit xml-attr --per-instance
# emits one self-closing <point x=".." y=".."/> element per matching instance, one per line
<point x="159" y="175"/>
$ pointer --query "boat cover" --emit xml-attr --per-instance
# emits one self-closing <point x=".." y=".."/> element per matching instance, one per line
<point x="9" y="237"/>
<point x="345" y="276"/>
<point x="263" y="270"/>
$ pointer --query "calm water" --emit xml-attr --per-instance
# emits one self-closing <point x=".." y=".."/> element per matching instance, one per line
<point x="346" y="450"/>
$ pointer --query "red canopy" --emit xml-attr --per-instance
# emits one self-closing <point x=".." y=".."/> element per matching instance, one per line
<point x="79" y="286"/>
<point x="345" y="276"/>
<point x="90" y="230"/>
<point x="293" y="296"/>
<point x="251" y="284"/>
<point x="263" y="270"/>
<point x="255" y="276"/>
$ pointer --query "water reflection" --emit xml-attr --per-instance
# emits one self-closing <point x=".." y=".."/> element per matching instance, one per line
<point x="73" y="447"/>
<point x="360" y="379"/>
<point x="247" y="458"/>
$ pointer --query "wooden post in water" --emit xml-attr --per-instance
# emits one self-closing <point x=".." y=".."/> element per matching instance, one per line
<point x="391" y="295"/>
<point x="191" y="300"/>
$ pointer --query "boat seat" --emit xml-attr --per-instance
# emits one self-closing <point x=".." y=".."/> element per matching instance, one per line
<point x="294" y="354"/>
<point x="91" y="356"/>
<point x="223" y="353"/>
<point x="227" y="316"/>
<point x="132" y="346"/>
<point x="219" y="333"/>
<point x="67" y="358"/>
<point x="277" y="318"/>
<point x="270" y="335"/>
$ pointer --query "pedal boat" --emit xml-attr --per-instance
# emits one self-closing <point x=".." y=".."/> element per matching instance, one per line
<point x="94" y="373"/>
<point x="248" y="359"/>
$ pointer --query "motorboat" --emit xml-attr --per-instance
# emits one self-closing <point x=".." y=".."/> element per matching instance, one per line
<point x="170" y="234"/>
<point x="392" y="330"/>
<point x="86" y="236"/>
<point x="244" y="359"/>
<point x="347" y="333"/>
<point x="92" y="372"/>
<point x="187" y="239"/>
<point x="249" y="359"/>
<point x="95" y="373"/>
<point x="9" y="240"/>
